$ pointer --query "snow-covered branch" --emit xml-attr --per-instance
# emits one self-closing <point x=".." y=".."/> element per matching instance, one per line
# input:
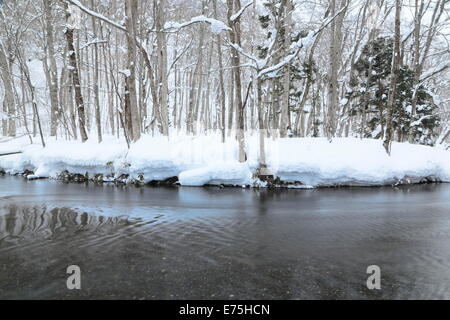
<point x="95" y="14"/>
<point x="216" y="25"/>
<point x="434" y="72"/>
<point x="93" y="42"/>
<point x="245" y="54"/>
<point x="303" y="42"/>
<point x="238" y="14"/>
<point x="180" y="55"/>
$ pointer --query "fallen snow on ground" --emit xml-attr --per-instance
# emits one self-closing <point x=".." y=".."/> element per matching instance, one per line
<point x="205" y="160"/>
<point x="350" y="161"/>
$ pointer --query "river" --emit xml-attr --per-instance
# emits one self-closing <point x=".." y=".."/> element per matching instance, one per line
<point x="212" y="243"/>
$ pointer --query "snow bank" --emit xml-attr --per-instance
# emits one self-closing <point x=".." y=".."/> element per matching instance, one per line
<point x="205" y="160"/>
<point x="350" y="161"/>
<point x="59" y="156"/>
<point x="219" y="173"/>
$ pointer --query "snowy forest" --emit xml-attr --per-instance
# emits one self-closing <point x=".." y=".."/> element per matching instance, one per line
<point x="226" y="150"/>
<point x="250" y="71"/>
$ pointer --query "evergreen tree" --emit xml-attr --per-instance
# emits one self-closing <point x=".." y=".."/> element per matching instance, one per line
<point x="369" y="94"/>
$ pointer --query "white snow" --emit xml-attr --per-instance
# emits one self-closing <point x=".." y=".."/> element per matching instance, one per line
<point x="408" y="109"/>
<point x="95" y="14"/>
<point x="351" y="161"/>
<point x="216" y="25"/>
<point x="126" y="72"/>
<point x="343" y="101"/>
<point x="3" y="116"/>
<point x="204" y="160"/>
<point x="37" y="73"/>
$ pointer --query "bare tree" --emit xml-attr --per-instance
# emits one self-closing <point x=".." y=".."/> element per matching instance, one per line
<point x="221" y="78"/>
<point x="163" y="86"/>
<point x="335" y="62"/>
<point x="75" y="74"/>
<point x="52" y="70"/>
<point x="235" y="38"/>
<point x="388" y="136"/>
<point x="8" y="125"/>
<point x="96" y="79"/>
<point x="132" y="114"/>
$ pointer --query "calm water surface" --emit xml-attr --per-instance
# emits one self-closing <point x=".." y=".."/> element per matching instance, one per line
<point x="211" y="243"/>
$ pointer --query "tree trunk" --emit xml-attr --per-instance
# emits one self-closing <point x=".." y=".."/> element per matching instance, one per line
<point x="53" y="71"/>
<point x="335" y="60"/>
<point x="262" y="131"/>
<point x="235" y="37"/>
<point x="76" y="84"/>
<point x="221" y="82"/>
<point x="162" y="72"/>
<point x="393" y="86"/>
<point x="284" y="120"/>
<point x="9" y="125"/>
<point x="26" y="73"/>
<point x="69" y="32"/>
<point x="96" y="81"/>
<point x="131" y="9"/>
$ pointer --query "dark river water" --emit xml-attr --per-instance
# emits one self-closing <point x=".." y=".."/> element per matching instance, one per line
<point x="212" y="243"/>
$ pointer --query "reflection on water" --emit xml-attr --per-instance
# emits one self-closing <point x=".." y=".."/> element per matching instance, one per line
<point x="200" y="243"/>
<point x="19" y="224"/>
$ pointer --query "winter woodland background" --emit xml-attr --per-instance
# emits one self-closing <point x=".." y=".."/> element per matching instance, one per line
<point x="269" y="68"/>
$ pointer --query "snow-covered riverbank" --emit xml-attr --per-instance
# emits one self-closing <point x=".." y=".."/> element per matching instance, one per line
<point x="313" y="162"/>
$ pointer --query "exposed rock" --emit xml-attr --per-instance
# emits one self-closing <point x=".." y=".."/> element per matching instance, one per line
<point x="27" y="173"/>
<point x="123" y="178"/>
<point x="73" y="177"/>
<point x="166" y="182"/>
<point x="98" y="178"/>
